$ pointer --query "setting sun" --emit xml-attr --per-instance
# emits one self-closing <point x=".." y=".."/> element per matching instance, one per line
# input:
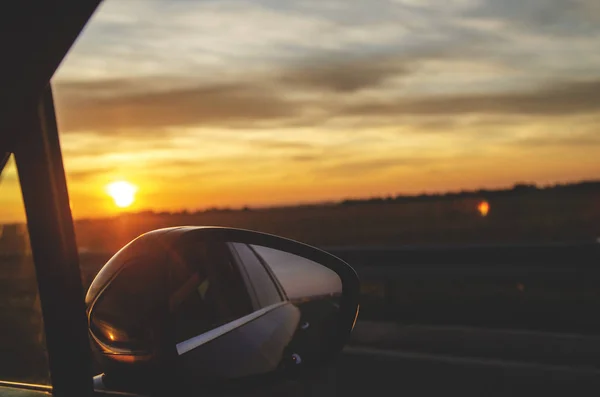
<point x="123" y="193"/>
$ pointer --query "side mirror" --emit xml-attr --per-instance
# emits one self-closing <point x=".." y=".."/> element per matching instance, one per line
<point x="193" y="306"/>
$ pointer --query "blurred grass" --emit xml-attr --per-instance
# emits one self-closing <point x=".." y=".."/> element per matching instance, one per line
<point x="526" y="218"/>
<point x="23" y="355"/>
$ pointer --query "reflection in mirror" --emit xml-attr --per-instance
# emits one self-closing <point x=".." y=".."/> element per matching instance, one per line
<point x="316" y="291"/>
<point x="294" y="305"/>
<point x="208" y="308"/>
<point x="300" y="277"/>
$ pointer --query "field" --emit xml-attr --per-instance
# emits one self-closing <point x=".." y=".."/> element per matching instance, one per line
<point x="515" y="216"/>
<point x="520" y="215"/>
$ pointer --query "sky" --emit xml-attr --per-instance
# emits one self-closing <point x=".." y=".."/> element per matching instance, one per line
<point x="232" y="103"/>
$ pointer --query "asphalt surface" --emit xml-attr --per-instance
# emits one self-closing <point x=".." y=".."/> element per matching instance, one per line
<point x="413" y="360"/>
<point x="526" y="346"/>
<point x="373" y="372"/>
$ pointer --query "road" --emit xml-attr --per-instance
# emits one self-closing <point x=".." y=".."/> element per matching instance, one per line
<point x="386" y="359"/>
<point x="370" y="372"/>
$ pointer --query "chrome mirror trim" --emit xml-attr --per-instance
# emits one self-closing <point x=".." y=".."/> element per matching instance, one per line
<point x="190" y="344"/>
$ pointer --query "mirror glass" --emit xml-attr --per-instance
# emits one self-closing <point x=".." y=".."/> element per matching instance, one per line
<point x="213" y="310"/>
<point x="260" y="310"/>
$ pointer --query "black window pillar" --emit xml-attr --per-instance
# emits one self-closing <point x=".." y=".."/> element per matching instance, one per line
<point x="42" y="177"/>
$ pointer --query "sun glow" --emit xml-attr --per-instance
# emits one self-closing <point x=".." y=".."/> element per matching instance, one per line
<point x="122" y="192"/>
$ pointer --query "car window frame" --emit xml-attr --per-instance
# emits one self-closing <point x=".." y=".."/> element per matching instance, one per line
<point x="234" y="257"/>
<point x="248" y="295"/>
<point x="41" y="174"/>
<point x="240" y="264"/>
<point x="278" y="284"/>
<point x="28" y="130"/>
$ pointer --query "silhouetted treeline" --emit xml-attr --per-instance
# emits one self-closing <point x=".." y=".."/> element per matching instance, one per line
<point x="585" y="187"/>
<point x="522" y="214"/>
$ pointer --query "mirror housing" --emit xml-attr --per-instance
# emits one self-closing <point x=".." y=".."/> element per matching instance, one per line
<point x="195" y="306"/>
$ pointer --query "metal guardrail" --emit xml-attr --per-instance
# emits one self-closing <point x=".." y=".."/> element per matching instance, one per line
<point x="546" y="288"/>
<point x="546" y="256"/>
<point x="441" y="260"/>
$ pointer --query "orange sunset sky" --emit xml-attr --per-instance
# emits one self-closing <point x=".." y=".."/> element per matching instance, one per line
<point x="232" y="103"/>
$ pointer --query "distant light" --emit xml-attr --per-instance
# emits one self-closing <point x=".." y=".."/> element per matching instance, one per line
<point x="296" y="358"/>
<point x="483" y="208"/>
<point x="111" y="336"/>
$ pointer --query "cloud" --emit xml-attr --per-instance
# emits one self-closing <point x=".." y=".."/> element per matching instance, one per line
<point x="582" y="140"/>
<point x="558" y="18"/>
<point x="149" y="104"/>
<point x="83" y="175"/>
<point x="212" y="38"/>
<point x="294" y="64"/>
<point x="75" y="91"/>
<point x="280" y="144"/>
<point x="170" y="168"/>
<point x="304" y="158"/>
<point x="344" y="75"/>
<point x="554" y="100"/>
<point x="91" y="145"/>
<point x="359" y="167"/>
<point x="219" y="104"/>
<point x="266" y="106"/>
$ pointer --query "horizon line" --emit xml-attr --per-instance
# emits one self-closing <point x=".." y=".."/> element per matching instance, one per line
<point x="341" y="201"/>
